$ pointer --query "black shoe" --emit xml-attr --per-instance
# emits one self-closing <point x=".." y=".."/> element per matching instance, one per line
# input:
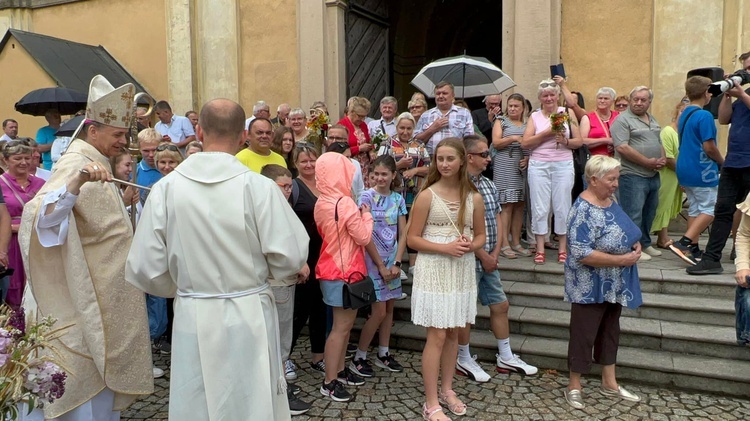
<point x="683" y="252"/>
<point x="705" y="267"/>
<point x="347" y="377"/>
<point x="389" y="363"/>
<point x="161" y="346"/>
<point x="296" y="405"/>
<point x="361" y="368"/>
<point x="293" y="388"/>
<point x="336" y="391"/>
<point x="320" y="366"/>
<point x="351" y="349"/>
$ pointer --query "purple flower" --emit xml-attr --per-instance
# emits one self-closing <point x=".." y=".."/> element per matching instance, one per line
<point x="46" y="380"/>
<point x="18" y="320"/>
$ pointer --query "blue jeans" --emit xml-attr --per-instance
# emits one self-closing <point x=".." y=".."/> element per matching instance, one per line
<point x="157" y="316"/>
<point x="639" y="197"/>
<point x="742" y="307"/>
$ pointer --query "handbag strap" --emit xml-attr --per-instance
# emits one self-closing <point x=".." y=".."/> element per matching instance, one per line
<point x="12" y="190"/>
<point x="682" y="129"/>
<point x="338" y="234"/>
<point x="445" y="209"/>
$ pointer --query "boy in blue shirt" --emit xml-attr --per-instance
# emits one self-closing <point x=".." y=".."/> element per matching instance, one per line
<point x="697" y="166"/>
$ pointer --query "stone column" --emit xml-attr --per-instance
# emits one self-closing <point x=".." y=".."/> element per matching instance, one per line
<point x="179" y="54"/>
<point x="335" y="51"/>
<point x="218" y="50"/>
<point x="312" y="47"/>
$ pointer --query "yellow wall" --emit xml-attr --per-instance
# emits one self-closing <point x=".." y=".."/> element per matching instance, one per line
<point x="269" y="67"/>
<point x="14" y="60"/>
<point x="133" y="31"/>
<point x="606" y="43"/>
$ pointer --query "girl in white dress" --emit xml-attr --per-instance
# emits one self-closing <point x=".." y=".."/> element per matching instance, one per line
<point x="446" y="226"/>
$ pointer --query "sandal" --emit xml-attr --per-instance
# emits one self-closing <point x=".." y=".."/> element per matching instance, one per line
<point x="457" y="408"/>
<point x="522" y="251"/>
<point x="427" y="413"/>
<point x="665" y="245"/>
<point x="550" y="245"/>
<point x="539" y="258"/>
<point x="532" y="248"/>
<point x="562" y="257"/>
<point x="508" y="253"/>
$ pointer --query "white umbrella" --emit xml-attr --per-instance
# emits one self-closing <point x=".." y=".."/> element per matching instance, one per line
<point x="471" y="77"/>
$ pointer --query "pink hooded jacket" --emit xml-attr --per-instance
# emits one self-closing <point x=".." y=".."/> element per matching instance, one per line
<point x="333" y="178"/>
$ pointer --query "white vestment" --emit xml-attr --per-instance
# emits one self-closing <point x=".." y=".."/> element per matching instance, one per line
<point x="212" y="232"/>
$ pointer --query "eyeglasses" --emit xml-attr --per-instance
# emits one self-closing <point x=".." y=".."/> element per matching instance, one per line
<point x="165" y="146"/>
<point x="547" y="85"/>
<point x="621" y="105"/>
<point x="285" y="187"/>
<point x="485" y="154"/>
<point x="304" y="145"/>
<point x="336" y="138"/>
<point x="413" y="107"/>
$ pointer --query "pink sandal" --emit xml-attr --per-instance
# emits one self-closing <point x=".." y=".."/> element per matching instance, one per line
<point x="458" y="408"/>
<point x="427" y="413"/>
<point x="539" y="258"/>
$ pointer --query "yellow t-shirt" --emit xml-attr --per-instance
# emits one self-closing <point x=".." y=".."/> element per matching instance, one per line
<point x="256" y="162"/>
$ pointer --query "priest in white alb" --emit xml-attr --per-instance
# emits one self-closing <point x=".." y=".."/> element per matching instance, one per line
<point x="74" y="239"/>
<point x="211" y="233"/>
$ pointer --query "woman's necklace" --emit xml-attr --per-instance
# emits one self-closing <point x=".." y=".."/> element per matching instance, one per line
<point x="602" y="118"/>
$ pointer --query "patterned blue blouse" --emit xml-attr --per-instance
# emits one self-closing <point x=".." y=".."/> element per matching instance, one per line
<point x="609" y="230"/>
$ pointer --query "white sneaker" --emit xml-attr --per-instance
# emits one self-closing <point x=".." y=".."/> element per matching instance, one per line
<point x="158" y="372"/>
<point x="403" y="296"/>
<point x="290" y="370"/>
<point x="471" y="369"/>
<point x="644" y="257"/>
<point x="516" y="364"/>
<point x="651" y="251"/>
<point x="411" y="270"/>
<point x="404" y="277"/>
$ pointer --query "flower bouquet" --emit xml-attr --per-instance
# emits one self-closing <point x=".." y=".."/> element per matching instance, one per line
<point x="318" y="127"/>
<point x="558" y="121"/>
<point x="25" y="375"/>
<point x="379" y="140"/>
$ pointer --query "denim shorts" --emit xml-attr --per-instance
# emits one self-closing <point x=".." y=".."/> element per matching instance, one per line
<point x="332" y="292"/>
<point x="489" y="288"/>
<point x="701" y="200"/>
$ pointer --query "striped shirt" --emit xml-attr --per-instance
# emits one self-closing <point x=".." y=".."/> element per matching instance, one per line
<point x="491" y="209"/>
<point x="460" y="124"/>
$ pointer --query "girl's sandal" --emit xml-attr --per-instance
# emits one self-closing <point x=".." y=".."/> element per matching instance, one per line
<point x="508" y="253"/>
<point x="457" y="408"/>
<point x="562" y="256"/>
<point x="522" y="251"/>
<point x="539" y="258"/>
<point x="428" y="413"/>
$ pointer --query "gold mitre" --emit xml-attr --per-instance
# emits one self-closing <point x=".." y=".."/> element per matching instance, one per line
<point x="108" y="105"/>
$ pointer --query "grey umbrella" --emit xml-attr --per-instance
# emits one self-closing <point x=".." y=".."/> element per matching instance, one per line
<point x="471" y="77"/>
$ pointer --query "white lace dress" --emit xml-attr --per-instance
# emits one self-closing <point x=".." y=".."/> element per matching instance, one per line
<point x="444" y="293"/>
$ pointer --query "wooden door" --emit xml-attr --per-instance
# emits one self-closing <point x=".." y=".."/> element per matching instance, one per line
<point x="368" y="67"/>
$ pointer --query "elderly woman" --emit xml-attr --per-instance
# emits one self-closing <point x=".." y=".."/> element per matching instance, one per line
<point x="359" y="137"/>
<point x="193" y="147"/>
<point x="417" y="107"/>
<point x="298" y="123"/>
<point x="509" y="174"/>
<point x="551" y="172"/>
<point x="19" y="187"/>
<point x="283" y="144"/>
<point x="595" y="125"/>
<point x="601" y="277"/>
<point x="622" y="103"/>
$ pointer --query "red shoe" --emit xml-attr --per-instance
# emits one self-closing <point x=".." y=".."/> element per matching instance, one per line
<point x="561" y="257"/>
<point x="539" y="258"/>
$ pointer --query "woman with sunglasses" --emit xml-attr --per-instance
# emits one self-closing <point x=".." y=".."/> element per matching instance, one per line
<point x="19" y="187"/>
<point x="551" y="172"/>
<point x="595" y="125"/>
<point x="167" y="158"/>
<point x="622" y="103"/>
<point x="359" y="137"/>
<point x="509" y="174"/>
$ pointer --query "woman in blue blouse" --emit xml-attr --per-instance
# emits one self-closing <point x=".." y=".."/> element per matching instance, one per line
<point x="601" y="277"/>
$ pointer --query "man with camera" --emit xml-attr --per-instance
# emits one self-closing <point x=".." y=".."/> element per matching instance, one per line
<point x="734" y="181"/>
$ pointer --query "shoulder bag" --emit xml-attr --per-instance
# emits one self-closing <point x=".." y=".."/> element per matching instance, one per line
<point x="356" y="293"/>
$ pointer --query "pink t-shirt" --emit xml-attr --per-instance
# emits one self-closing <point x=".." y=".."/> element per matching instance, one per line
<point x="549" y="150"/>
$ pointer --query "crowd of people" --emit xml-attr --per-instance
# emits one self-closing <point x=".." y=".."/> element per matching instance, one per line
<point x="328" y="209"/>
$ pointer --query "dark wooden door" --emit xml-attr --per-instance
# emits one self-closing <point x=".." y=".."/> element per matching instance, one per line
<point x="368" y="69"/>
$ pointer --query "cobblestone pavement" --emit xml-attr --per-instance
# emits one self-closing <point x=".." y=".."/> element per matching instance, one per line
<point x="399" y="396"/>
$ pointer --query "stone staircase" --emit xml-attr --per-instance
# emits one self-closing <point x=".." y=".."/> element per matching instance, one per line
<point x="682" y="336"/>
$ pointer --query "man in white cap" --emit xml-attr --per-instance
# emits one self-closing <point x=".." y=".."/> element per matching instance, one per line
<point x="74" y="236"/>
<point x="226" y="361"/>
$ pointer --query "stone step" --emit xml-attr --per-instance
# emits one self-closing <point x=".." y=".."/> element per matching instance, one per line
<point x="662" y="281"/>
<point x="707" y="374"/>
<point x="667" y="307"/>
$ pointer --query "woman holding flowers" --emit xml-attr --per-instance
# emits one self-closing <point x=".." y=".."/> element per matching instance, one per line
<point x="551" y="135"/>
<point x="357" y="109"/>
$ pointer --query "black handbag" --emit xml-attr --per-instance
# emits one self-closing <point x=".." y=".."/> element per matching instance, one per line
<point x="355" y="293"/>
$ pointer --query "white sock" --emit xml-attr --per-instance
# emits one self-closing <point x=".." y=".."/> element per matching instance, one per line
<point x="382" y="351"/>
<point x="503" y="345"/>
<point x="361" y="355"/>
<point x="463" y="352"/>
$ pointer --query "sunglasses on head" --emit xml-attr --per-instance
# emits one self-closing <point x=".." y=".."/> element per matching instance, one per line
<point x="163" y="147"/>
<point x="485" y="154"/>
<point x="547" y="85"/>
<point x="304" y="145"/>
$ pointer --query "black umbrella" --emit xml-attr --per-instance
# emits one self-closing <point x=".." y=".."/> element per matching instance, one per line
<point x="65" y="100"/>
<point x="69" y="127"/>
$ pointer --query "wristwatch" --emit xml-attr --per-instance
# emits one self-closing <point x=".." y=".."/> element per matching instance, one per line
<point x="397" y="264"/>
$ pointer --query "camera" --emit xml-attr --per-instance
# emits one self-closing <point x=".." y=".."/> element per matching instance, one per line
<point x="740" y="77"/>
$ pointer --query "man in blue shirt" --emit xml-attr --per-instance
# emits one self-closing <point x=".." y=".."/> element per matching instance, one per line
<point x="697" y="166"/>
<point x="734" y="184"/>
<point x="45" y="136"/>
